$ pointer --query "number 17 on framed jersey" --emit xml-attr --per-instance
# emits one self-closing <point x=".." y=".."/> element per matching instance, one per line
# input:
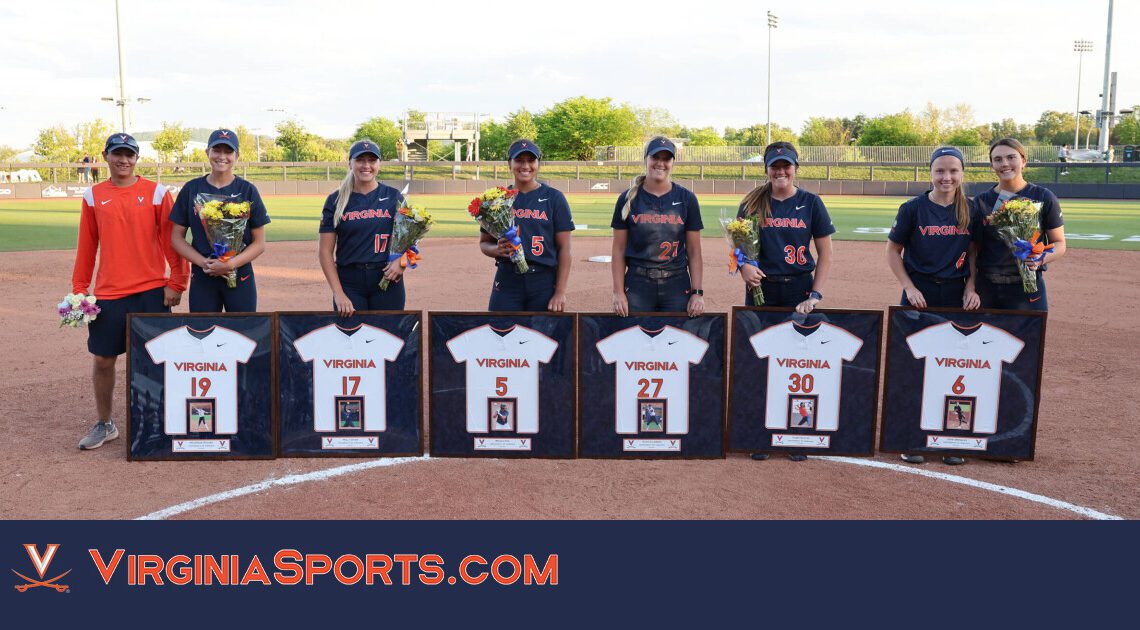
<point x="804" y="384"/>
<point x="350" y="386"/>
<point x="201" y="387"/>
<point x="502" y="385"/>
<point x="651" y="386"/>
<point x="963" y="383"/>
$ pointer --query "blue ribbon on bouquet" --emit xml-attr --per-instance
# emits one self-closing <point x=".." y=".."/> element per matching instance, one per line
<point x="742" y="259"/>
<point x="412" y="254"/>
<point x="220" y="250"/>
<point x="512" y="235"/>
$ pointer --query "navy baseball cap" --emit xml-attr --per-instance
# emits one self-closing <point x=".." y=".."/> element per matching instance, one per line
<point x="941" y="151"/>
<point x="223" y="136"/>
<point x="121" y="141"/>
<point x="658" y="145"/>
<point x="360" y="147"/>
<point x="781" y="153"/>
<point x="523" y="146"/>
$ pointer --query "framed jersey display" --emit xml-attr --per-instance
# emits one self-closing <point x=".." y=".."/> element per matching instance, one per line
<point x="201" y="387"/>
<point x="804" y="384"/>
<point x="962" y="383"/>
<point x="502" y="384"/>
<point x="350" y="386"/>
<point x="651" y="386"/>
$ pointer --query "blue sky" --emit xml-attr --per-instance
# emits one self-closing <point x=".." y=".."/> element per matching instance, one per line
<point x="210" y="63"/>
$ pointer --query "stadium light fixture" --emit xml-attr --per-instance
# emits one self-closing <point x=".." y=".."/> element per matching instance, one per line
<point x="773" y="22"/>
<point x="1080" y="46"/>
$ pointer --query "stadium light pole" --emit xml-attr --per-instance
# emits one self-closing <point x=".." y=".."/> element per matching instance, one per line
<point x="1104" y="116"/>
<point x="1080" y="46"/>
<point x="773" y="22"/>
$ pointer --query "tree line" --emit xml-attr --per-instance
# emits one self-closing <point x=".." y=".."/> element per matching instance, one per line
<point x="572" y="128"/>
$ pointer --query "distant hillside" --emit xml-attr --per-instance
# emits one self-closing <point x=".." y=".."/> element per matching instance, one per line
<point x="199" y="134"/>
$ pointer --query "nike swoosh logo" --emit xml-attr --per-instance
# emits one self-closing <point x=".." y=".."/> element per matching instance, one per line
<point x="823" y="342"/>
<point x="672" y="342"/>
<point x="985" y="342"/>
<point x="105" y="202"/>
<point x="244" y="278"/>
<point x="237" y="195"/>
<point x="800" y="207"/>
<point x="222" y="344"/>
<point x="522" y="342"/>
<point x="677" y="203"/>
<point x="1035" y="299"/>
<point x="382" y="199"/>
<point x="542" y="200"/>
<point x="369" y="340"/>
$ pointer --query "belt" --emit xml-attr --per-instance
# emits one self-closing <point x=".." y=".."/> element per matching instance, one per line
<point x="784" y="278"/>
<point x="1001" y="278"/>
<point x="378" y="265"/>
<point x="531" y="267"/>
<point x="938" y="280"/>
<point x="656" y="274"/>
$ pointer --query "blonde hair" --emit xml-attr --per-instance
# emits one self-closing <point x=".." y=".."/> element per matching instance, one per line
<point x="759" y="200"/>
<point x="638" y="182"/>
<point x="343" y="193"/>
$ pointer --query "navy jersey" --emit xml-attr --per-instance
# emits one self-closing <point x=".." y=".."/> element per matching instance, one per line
<point x="933" y="244"/>
<point x="365" y="228"/>
<point x="539" y="215"/>
<point x="657" y="227"/>
<point x="185" y="214"/>
<point x="993" y="254"/>
<point x="785" y="239"/>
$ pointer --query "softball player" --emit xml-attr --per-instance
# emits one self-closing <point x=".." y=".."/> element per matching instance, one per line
<point x="928" y="248"/>
<point x="125" y="223"/>
<point x="208" y="290"/>
<point x="657" y="241"/>
<point x="542" y="216"/>
<point x="356" y="225"/>
<point x="791" y="220"/>
<point x="999" y="283"/>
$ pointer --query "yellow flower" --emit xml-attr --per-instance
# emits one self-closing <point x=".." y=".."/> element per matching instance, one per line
<point x="235" y="210"/>
<point x="492" y="194"/>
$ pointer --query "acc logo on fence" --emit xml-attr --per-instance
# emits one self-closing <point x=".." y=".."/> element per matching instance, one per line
<point x="41" y="564"/>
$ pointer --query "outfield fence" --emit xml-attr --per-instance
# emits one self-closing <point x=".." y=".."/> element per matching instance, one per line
<point x="829" y="154"/>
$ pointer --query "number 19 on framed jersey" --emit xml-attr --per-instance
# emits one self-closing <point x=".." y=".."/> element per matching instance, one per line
<point x="201" y="386"/>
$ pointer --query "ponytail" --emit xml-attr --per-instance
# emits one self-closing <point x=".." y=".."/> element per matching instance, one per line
<point x="342" y="195"/>
<point x="633" y="190"/>
<point x="962" y="208"/>
<point x="759" y="200"/>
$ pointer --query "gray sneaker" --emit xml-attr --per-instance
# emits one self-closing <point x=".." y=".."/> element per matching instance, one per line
<point x="101" y="432"/>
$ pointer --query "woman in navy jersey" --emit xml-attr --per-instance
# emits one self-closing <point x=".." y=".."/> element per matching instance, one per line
<point x="999" y="283"/>
<point x="208" y="290"/>
<point x="928" y="248"/>
<point x="356" y="228"/>
<point x="544" y="223"/>
<point x="791" y="219"/>
<point x="657" y="241"/>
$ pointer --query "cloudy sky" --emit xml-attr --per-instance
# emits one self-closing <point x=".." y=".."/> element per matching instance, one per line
<point x="209" y="63"/>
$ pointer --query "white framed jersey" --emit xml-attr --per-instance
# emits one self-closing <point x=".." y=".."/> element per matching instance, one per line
<point x="349" y="363"/>
<point x="652" y="365"/>
<point x="200" y="369"/>
<point x="502" y="366"/>
<point x="962" y="362"/>
<point x="805" y="369"/>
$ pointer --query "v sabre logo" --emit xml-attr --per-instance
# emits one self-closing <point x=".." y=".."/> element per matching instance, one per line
<point x="41" y="564"/>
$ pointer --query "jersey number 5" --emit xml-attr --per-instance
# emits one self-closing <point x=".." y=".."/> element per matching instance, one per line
<point x="536" y="246"/>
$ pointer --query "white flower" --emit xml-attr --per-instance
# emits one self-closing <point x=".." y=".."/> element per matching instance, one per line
<point x="90" y="299"/>
<point x="75" y="300"/>
<point x="63" y="304"/>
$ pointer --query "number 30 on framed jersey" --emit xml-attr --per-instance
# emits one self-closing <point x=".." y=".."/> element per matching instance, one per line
<point x="963" y="383"/>
<point x="350" y="386"/>
<point x="201" y="387"/>
<point x="502" y="384"/>
<point x="651" y="386"/>
<point x="804" y="384"/>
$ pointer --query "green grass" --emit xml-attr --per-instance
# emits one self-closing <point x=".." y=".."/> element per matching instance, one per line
<point x="53" y="224"/>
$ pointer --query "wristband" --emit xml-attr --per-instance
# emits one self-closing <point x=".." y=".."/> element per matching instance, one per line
<point x="815" y="295"/>
<point x="696" y="292"/>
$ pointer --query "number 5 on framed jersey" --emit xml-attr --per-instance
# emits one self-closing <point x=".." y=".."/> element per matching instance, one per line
<point x="963" y="383"/>
<point x="804" y="384"/>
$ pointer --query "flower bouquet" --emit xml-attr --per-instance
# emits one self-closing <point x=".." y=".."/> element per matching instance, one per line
<point x="225" y="223"/>
<point x="1018" y="223"/>
<point x="408" y="227"/>
<point x="493" y="210"/>
<point x="743" y="236"/>
<point x="77" y="309"/>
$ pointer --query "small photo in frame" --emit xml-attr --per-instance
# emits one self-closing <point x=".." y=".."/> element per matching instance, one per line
<point x="501" y="413"/>
<point x="801" y="412"/>
<point x="959" y="413"/>
<point x="200" y="415"/>
<point x="349" y="413"/>
<point x="651" y="415"/>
